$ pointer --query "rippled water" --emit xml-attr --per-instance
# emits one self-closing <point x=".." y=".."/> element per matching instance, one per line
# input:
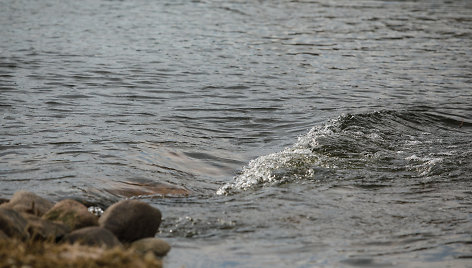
<point x="270" y="133"/>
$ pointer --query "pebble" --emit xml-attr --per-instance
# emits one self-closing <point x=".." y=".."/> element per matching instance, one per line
<point x="28" y="202"/>
<point x="71" y="213"/>
<point x="13" y="224"/>
<point x="157" y="246"/>
<point x="41" y="229"/>
<point x="93" y="236"/>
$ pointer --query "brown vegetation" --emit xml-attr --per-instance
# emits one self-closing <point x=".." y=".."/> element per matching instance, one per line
<point x="15" y="253"/>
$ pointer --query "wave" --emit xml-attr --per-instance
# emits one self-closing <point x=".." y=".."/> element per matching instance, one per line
<point x="377" y="146"/>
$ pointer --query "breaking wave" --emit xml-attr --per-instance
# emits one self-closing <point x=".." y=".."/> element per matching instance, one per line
<point x="378" y="146"/>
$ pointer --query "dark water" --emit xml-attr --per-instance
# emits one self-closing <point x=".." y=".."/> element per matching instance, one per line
<point x="307" y="133"/>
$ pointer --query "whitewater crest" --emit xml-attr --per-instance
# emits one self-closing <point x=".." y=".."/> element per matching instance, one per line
<point x="293" y="163"/>
<point x="384" y="145"/>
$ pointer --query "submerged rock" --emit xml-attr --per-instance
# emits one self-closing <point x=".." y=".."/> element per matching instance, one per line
<point x="93" y="236"/>
<point x="28" y="202"/>
<point x="41" y="229"/>
<point x="131" y="220"/>
<point x="13" y="224"/>
<point x="130" y="189"/>
<point x="71" y="213"/>
<point x="154" y="245"/>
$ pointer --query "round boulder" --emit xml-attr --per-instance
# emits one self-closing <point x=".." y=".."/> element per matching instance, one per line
<point x="154" y="245"/>
<point x="27" y="202"/>
<point x="93" y="236"/>
<point x="13" y="224"/>
<point x="131" y="220"/>
<point x="71" y="213"/>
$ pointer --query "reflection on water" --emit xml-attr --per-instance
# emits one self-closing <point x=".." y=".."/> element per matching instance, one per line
<point x="174" y="101"/>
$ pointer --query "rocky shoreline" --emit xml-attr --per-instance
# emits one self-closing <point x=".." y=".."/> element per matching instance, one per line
<point x="39" y="233"/>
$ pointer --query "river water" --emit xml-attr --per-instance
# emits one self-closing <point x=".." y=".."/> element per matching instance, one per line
<point x="270" y="133"/>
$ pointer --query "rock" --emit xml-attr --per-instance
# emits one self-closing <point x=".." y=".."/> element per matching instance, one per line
<point x="3" y="235"/>
<point x="93" y="236"/>
<point x="13" y="224"/>
<point x="23" y="201"/>
<point x="157" y="246"/>
<point x="71" y="213"/>
<point x="40" y="229"/>
<point x="131" y="220"/>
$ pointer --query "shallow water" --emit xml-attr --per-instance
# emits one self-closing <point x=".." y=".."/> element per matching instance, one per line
<point x="306" y="133"/>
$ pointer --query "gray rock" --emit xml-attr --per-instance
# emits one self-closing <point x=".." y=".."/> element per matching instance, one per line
<point x="93" y="236"/>
<point x="13" y="224"/>
<point x="157" y="246"/>
<point x="40" y="229"/>
<point x="131" y="220"/>
<point x="27" y="202"/>
<point x="71" y="213"/>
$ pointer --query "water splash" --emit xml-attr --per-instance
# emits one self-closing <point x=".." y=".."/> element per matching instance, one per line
<point x="384" y="144"/>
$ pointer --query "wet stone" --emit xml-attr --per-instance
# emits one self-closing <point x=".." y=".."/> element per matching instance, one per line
<point x="131" y="220"/>
<point x="71" y="213"/>
<point x="40" y="229"/>
<point x="93" y="236"/>
<point x="28" y="202"/>
<point x="13" y="224"/>
<point x="154" y="245"/>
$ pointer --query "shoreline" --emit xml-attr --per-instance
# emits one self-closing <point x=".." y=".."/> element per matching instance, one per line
<point x="35" y="232"/>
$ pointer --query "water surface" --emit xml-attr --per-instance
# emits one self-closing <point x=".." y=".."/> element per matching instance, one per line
<point x="287" y="133"/>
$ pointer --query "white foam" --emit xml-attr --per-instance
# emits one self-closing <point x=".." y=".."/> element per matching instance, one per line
<point x="292" y="163"/>
<point x="424" y="165"/>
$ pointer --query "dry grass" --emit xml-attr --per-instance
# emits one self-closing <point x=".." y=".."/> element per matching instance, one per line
<point x="14" y="253"/>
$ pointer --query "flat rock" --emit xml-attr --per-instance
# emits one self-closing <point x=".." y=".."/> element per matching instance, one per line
<point x="28" y="202"/>
<point x="13" y="224"/>
<point x="93" y="236"/>
<point x="41" y="229"/>
<point x="154" y="245"/>
<point x="71" y="213"/>
<point x="131" y="220"/>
